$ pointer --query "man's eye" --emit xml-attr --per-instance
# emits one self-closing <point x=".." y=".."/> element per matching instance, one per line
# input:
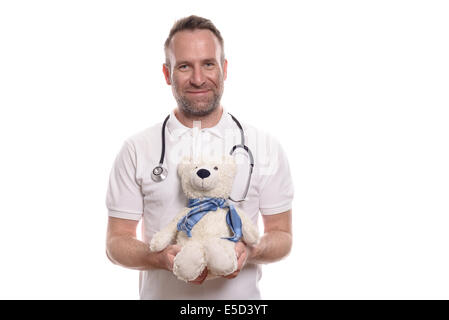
<point x="182" y="67"/>
<point x="209" y="64"/>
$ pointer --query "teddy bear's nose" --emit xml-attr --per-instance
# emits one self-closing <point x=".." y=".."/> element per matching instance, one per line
<point x="203" y="173"/>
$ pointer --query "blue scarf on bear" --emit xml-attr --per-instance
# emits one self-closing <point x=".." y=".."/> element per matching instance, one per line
<point x="201" y="206"/>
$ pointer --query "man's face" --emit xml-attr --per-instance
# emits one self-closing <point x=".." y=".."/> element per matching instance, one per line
<point x="196" y="73"/>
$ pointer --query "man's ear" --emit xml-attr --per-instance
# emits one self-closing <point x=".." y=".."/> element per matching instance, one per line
<point x="225" y="69"/>
<point x="166" y="71"/>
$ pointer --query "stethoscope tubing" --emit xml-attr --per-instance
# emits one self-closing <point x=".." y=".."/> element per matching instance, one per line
<point x="159" y="172"/>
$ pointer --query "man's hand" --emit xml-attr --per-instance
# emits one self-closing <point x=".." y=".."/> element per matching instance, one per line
<point x="167" y="257"/>
<point x="242" y="255"/>
<point x="201" y="277"/>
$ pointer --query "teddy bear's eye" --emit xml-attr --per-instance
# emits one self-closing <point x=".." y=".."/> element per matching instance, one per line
<point x="196" y="167"/>
<point x="215" y="168"/>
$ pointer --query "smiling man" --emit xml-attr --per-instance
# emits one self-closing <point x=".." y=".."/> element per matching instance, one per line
<point x="197" y="64"/>
<point x="196" y="69"/>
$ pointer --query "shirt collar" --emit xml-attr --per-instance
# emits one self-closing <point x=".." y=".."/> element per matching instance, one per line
<point x="177" y="129"/>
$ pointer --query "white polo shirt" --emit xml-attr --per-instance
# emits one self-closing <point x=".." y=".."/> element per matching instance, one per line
<point x="132" y="194"/>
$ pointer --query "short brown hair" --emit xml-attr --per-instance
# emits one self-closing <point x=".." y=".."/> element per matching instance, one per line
<point x="193" y="23"/>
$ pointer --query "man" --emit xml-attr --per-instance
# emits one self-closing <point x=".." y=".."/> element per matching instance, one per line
<point x="195" y="68"/>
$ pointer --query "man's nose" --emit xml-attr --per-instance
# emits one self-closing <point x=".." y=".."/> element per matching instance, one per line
<point x="198" y="77"/>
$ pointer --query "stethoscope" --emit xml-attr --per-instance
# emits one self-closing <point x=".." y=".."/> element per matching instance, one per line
<point x="159" y="172"/>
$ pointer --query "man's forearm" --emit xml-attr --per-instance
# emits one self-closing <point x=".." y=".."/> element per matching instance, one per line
<point x="273" y="246"/>
<point x="132" y="253"/>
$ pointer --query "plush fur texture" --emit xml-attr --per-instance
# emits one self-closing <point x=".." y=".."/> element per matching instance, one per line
<point x="205" y="248"/>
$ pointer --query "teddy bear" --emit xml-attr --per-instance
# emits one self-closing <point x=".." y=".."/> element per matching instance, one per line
<point x="208" y="228"/>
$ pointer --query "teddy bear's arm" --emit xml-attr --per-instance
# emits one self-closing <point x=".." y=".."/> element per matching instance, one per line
<point x="167" y="235"/>
<point x="249" y="230"/>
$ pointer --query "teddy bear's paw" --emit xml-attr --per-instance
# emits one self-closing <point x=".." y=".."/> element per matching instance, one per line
<point x="160" y="241"/>
<point x="189" y="262"/>
<point x="221" y="257"/>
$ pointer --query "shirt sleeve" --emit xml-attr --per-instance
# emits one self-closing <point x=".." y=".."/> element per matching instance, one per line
<point x="276" y="194"/>
<point x="124" y="198"/>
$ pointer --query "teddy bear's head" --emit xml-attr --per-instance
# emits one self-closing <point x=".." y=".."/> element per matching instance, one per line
<point x="207" y="178"/>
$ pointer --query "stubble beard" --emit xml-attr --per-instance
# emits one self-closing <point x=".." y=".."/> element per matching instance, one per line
<point x="198" y="108"/>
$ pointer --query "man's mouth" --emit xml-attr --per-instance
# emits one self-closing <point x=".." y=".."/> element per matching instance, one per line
<point x="197" y="92"/>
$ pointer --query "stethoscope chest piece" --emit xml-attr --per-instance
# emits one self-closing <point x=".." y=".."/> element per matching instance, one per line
<point x="159" y="173"/>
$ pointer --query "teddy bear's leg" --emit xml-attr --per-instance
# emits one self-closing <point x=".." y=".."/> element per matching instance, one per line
<point x="220" y="256"/>
<point x="189" y="262"/>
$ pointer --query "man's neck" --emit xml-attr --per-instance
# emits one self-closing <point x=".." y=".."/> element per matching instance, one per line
<point x="206" y="121"/>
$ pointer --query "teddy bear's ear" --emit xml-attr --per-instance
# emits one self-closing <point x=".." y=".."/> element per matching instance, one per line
<point x="183" y="165"/>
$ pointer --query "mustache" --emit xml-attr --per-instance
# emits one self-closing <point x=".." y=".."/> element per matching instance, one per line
<point x="196" y="88"/>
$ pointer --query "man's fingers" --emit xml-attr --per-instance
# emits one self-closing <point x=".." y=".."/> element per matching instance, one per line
<point x="203" y="275"/>
<point x="200" y="278"/>
<point x="168" y="256"/>
<point x="242" y="258"/>
<point x="232" y="275"/>
<point x="175" y="248"/>
<point x="240" y="249"/>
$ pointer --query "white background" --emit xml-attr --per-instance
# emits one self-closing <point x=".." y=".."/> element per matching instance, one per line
<point x="356" y="91"/>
